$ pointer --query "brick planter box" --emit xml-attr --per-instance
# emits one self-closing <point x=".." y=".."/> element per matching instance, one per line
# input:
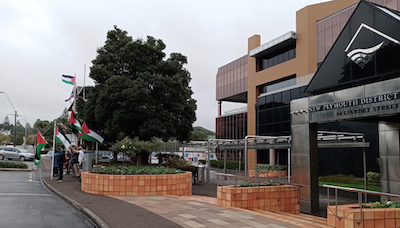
<point x="252" y="173"/>
<point x="267" y="198"/>
<point x="372" y="217"/>
<point x="137" y="185"/>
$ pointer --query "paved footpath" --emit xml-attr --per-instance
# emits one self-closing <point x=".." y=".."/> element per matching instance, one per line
<point x="170" y="211"/>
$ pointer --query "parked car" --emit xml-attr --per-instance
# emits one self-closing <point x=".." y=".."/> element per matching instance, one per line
<point x="120" y="158"/>
<point x="15" y="153"/>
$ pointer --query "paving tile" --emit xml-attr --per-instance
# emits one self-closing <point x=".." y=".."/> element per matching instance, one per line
<point x="276" y="226"/>
<point x="196" y="203"/>
<point x="218" y="222"/>
<point x="189" y="216"/>
<point x="193" y="224"/>
<point x="257" y="225"/>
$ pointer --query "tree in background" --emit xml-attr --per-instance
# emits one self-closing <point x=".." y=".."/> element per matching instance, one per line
<point x="200" y="134"/>
<point x="137" y="150"/>
<point x="4" y="138"/>
<point x="137" y="92"/>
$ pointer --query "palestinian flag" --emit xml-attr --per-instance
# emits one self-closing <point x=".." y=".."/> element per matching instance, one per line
<point x="40" y="144"/>
<point x="61" y="138"/>
<point x="74" y="123"/>
<point x="68" y="79"/>
<point x="90" y="135"/>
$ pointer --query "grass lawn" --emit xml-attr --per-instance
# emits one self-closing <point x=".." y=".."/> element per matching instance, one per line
<point x="371" y="187"/>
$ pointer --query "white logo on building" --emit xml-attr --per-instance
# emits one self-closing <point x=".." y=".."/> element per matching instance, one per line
<point x="362" y="56"/>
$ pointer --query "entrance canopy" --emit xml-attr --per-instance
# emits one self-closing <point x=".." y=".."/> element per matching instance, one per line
<point x="326" y="139"/>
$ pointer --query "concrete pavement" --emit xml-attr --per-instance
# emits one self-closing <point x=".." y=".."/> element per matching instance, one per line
<point x="167" y="211"/>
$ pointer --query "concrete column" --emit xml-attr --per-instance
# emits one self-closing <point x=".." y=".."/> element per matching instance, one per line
<point x="304" y="156"/>
<point x="219" y="107"/>
<point x="389" y="153"/>
<point x="272" y="156"/>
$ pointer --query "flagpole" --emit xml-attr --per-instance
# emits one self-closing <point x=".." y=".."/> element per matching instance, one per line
<point x="75" y="96"/>
<point x="84" y="80"/>
<point x="54" y="151"/>
<point x="97" y="149"/>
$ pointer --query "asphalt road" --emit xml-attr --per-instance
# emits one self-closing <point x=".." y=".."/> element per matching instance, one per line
<point x="25" y="202"/>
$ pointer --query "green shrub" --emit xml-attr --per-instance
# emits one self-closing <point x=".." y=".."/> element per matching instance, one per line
<point x="373" y="177"/>
<point x="203" y="161"/>
<point x="265" y="168"/>
<point x="229" y="164"/>
<point x="383" y="204"/>
<point x="255" y="184"/>
<point x="340" y="178"/>
<point x="136" y="170"/>
<point x="9" y="164"/>
<point x="190" y="168"/>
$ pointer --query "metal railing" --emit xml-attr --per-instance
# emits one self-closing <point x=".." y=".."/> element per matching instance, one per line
<point x="252" y="179"/>
<point x="359" y="192"/>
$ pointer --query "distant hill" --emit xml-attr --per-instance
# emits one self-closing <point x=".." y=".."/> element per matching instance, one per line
<point x="203" y="130"/>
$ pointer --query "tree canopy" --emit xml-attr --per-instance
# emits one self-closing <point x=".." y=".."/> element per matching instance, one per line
<point x="138" y="92"/>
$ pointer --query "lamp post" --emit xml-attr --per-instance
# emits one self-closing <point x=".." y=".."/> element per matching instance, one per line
<point x="26" y="126"/>
<point x="15" y="119"/>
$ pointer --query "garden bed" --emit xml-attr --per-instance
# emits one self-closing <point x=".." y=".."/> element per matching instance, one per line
<point x="252" y="173"/>
<point x="267" y="198"/>
<point x="371" y="217"/>
<point x="179" y="184"/>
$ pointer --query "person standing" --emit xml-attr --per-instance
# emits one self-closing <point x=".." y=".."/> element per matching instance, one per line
<point x="67" y="159"/>
<point x="60" y="162"/>
<point x="74" y="161"/>
<point x="80" y="161"/>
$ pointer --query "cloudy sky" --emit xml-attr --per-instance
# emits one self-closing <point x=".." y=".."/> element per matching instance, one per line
<point x="42" y="39"/>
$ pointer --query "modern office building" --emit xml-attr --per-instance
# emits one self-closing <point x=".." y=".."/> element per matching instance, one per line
<point x="308" y="66"/>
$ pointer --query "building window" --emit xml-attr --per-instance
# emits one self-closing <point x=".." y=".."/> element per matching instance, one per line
<point x="277" y="57"/>
<point x="274" y="118"/>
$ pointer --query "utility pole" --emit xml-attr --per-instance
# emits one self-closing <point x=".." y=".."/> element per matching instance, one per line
<point x="15" y="119"/>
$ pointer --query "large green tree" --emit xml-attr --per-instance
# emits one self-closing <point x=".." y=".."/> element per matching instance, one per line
<point x="138" y="92"/>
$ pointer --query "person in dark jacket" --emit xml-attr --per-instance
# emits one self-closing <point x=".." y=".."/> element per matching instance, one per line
<point x="60" y="162"/>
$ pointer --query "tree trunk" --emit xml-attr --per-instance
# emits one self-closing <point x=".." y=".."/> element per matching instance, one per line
<point x="142" y="159"/>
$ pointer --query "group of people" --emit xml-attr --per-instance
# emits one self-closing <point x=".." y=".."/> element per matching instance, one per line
<point x="71" y="160"/>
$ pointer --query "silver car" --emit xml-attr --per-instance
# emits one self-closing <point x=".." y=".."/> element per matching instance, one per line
<point x="15" y="153"/>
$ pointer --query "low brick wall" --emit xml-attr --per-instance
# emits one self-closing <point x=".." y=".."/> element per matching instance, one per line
<point x="252" y="173"/>
<point x="372" y="217"/>
<point x="267" y="198"/>
<point x="137" y="185"/>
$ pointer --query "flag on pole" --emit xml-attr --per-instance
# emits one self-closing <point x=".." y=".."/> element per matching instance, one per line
<point x="74" y="123"/>
<point x="68" y="79"/>
<point x="90" y="135"/>
<point x="71" y="96"/>
<point x="40" y="144"/>
<point x="61" y="138"/>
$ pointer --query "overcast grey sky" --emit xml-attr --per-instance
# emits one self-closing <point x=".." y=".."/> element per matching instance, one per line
<point x="41" y="40"/>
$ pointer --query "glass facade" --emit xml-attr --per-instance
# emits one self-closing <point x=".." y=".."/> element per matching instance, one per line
<point x="231" y="127"/>
<point x="273" y="119"/>
<point x="329" y="28"/>
<point x="231" y="79"/>
<point x="278" y="57"/>
<point x="274" y="112"/>
<point x="278" y="85"/>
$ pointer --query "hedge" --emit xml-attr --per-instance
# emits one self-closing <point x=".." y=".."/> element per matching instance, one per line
<point x="9" y="164"/>
<point x="229" y="164"/>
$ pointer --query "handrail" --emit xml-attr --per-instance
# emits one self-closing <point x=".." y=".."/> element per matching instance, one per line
<point x="359" y="197"/>
<point x="361" y="190"/>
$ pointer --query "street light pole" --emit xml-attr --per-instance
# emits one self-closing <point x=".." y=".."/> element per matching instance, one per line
<point x="15" y="119"/>
<point x="26" y="127"/>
